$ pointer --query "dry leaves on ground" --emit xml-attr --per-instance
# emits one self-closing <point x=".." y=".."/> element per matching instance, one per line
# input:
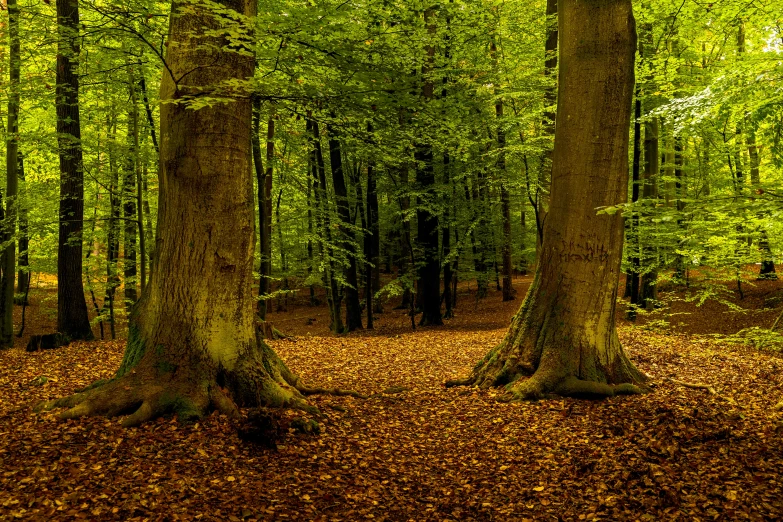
<point x="418" y="451"/>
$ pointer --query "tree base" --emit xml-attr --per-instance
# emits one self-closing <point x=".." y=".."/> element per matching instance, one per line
<point x="541" y="386"/>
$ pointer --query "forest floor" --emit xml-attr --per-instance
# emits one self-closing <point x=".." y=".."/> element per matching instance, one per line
<point x="416" y="450"/>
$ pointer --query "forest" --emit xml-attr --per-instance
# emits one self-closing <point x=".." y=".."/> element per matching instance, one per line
<point x="384" y="260"/>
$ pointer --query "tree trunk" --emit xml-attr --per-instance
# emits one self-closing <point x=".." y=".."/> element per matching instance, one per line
<point x="310" y="227"/>
<point x="505" y="198"/>
<point x="113" y="239"/>
<point x="446" y="241"/>
<point x="12" y="178"/>
<point x="550" y="100"/>
<point x="564" y="334"/>
<point x="632" y="278"/>
<point x="193" y="344"/>
<point x="264" y="188"/>
<point x="23" y="277"/>
<point x="322" y="204"/>
<point x="767" y="263"/>
<point x="353" y="310"/>
<point x="404" y="265"/>
<point x="373" y="244"/>
<point x="72" y="319"/>
<point x="680" y="274"/>
<point x="129" y="200"/>
<point x="649" y="279"/>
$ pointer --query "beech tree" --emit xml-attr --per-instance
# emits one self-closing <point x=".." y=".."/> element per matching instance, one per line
<point x="72" y="317"/>
<point x="193" y="331"/>
<point x="563" y="337"/>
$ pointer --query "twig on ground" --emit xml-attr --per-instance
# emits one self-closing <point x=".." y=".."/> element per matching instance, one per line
<point x="709" y="389"/>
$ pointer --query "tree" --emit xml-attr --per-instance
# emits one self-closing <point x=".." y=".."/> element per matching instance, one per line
<point x="72" y="317"/>
<point x="193" y="331"/>
<point x="12" y="179"/>
<point x="563" y="336"/>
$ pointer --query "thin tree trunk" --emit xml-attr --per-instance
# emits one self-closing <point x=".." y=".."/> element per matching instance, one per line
<point x="129" y="201"/>
<point x="113" y="239"/>
<point x="649" y="279"/>
<point x="139" y="188"/>
<point x="12" y="178"/>
<point x="353" y="310"/>
<point x="310" y="258"/>
<point x="446" y="240"/>
<point x="550" y="101"/>
<point x="322" y="203"/>
<point x="72" y="319"/>
<point x="632" y="277"/>
<point x="23" y="278"/>
<point x="373" y="224"/>
<point x="505" y="198"/>
<point x="680" y="193"/>
<point x="767" y="263"/>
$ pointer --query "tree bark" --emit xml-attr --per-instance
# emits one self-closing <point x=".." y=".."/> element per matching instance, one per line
<point x="373" y="244"/>
<point x="12" y="178"/>
<point x="72" y="319"/>
<point x="428" y="301"/>
<point x="564" y="335"/>
<point x="550" y="100"/>
<point x="193" y="343"/>
<point x="649" y="279"/>
<point x="113" y="239"/>
<point x="353" y="310"/>
<point x="23" y="277"/>
<point x="324" y="217"/>
<point x="767" y="263"/>
<point x="632" y="277"/>
<point x="505" y="198"/>
<point x="129" y="200"/>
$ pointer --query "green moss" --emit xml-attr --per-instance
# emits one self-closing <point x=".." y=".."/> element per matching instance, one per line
<point x="133" y="352"/>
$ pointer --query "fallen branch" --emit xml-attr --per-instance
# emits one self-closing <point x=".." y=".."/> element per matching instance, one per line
<point x="304" y="390"/>
<point x="709" y="389"/>
<point x="693" y="386"/>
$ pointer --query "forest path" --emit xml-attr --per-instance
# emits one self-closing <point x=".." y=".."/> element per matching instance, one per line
<point x="427" y="453"/>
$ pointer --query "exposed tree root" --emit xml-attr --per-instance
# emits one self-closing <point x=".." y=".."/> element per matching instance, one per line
<point x="542" y="384"/>
<point x="143" y="401"/>
<point x="154" y="387"/>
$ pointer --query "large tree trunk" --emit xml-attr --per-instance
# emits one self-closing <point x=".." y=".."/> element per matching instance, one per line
<point x="12" y="180"/>
<point x="193" y="333"/>
<point x="563" y="335"/>
<point x="72" y="317"/>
